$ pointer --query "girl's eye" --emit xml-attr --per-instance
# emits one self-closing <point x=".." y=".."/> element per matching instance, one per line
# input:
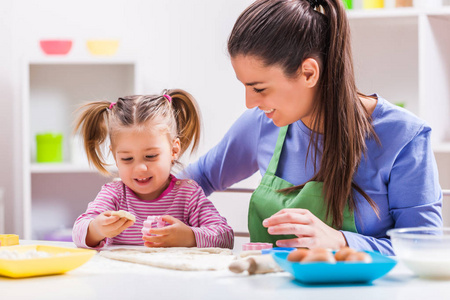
<point x="127" y="159"/>
<point x="258" y="90"/>
<point x="151" y="156"/>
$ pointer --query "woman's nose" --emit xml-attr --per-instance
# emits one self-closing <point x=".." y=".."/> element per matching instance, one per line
<point x="250" y="100"/>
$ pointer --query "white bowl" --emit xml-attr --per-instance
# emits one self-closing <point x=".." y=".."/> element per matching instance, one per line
<point x="425" y="251"/>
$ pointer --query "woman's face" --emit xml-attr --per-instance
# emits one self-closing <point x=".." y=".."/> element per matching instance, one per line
<point x="285" y="100"/>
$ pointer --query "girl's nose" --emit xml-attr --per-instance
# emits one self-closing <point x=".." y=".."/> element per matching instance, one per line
<point x="140" y="167"/>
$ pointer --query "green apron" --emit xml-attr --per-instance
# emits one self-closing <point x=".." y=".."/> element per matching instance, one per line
<point x="266" y="200"/>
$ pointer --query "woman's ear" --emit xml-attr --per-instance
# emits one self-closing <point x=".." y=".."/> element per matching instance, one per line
<point x="310" y="71"/>
<point x="176" y="149"/>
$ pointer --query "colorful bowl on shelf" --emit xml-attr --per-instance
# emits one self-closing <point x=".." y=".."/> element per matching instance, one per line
<point x="102" y="47"/>
<point x="371" y="4"/>
<point x="55" y="47"/>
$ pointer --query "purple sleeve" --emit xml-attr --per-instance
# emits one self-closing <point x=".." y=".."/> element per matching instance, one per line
<point x="209" y="227"/>
<point x="233" y="159"/>
<point x="103" y="202"/>
<point x="414" y="194"/>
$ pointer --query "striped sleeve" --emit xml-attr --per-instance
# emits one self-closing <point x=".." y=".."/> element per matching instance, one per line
<point x="105" y="200"/>
<point x="209" y="227"/>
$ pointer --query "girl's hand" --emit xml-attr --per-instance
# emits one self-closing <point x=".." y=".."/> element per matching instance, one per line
<point x="177" y="234"/>
<point x="310" y="230"/>
<point x="105" y="226"/>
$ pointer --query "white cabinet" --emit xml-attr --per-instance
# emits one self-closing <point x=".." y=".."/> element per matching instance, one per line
<point x="54" y="194"/>
<point x="403" y="54"/>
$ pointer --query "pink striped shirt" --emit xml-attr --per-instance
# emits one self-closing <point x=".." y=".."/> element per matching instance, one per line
<point x="183" y="199"/>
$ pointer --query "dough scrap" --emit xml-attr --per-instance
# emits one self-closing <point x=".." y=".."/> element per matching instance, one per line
<point x="176" y="258"/>
<point x="124" y="214"/>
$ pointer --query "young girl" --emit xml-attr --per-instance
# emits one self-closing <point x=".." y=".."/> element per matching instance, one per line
<point x="148" y="134"/>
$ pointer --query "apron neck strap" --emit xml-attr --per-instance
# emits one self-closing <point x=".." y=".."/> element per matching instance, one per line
<point x="273" y="165"/>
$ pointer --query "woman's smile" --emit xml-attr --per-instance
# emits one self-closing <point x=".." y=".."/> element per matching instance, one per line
<point x="268" y="111"/>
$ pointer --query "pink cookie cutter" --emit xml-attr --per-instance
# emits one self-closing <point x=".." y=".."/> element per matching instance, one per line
<point x="149" y="222"/>
<point x="256" y="246"/>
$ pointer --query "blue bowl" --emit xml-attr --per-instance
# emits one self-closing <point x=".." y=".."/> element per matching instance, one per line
<point x="339" y="272"/>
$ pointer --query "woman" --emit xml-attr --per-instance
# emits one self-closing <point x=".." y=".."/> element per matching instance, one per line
<point x="339" y="168"/>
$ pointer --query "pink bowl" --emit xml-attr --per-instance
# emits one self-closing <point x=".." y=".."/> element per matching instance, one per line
<point x="52" y="47"/>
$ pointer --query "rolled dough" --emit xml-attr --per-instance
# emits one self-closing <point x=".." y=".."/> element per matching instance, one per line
<point x="176" y="258"/>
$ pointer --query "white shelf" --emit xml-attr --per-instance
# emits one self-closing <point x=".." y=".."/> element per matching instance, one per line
<point x="54" y="194"/>
<point x="41" y="168"/>
<point x="383" y="13"/>
<point x="397" y="12"/>
<point x="58" y="60"/>
<point x="442" y="148"/>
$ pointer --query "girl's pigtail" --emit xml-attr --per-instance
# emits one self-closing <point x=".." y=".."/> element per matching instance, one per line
<point x="92" y="124"/>
<point x="188" y="118"/>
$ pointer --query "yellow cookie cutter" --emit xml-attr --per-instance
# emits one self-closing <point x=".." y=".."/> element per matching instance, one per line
<point x="9" y="239"/>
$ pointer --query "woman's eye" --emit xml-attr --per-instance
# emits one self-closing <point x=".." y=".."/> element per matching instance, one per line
<point x="258" y="90"/>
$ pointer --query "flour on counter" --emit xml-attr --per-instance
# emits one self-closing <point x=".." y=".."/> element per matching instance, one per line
<point x="176" y="258"/>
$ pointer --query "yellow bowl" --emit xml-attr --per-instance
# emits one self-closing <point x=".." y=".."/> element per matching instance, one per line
<point x="102" y="47"/>
<point x="60" y="260"/>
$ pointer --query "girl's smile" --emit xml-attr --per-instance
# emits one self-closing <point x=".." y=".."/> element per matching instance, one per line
<point x="143" y="180"/>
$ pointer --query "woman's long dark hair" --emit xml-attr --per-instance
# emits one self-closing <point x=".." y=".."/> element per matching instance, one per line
<point x="285" y="33"/>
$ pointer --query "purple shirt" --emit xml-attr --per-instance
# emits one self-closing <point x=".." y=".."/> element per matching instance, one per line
<point x="400" y="175"/>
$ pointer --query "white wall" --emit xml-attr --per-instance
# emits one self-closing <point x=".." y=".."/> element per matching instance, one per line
<point x="8" y="96"/>
<point x="179" y="43"/>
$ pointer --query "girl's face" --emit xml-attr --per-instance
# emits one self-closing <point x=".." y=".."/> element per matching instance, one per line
<point x="144" y="159"/>
<point x="284" y="100"/>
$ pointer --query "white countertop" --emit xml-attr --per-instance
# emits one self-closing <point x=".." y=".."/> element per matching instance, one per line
<point x="102" y="278"/>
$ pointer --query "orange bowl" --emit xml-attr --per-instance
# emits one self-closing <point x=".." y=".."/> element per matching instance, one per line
<point x="58" y="47"/>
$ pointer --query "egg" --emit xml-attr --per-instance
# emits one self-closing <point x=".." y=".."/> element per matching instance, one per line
<point x="359" y="257"/>
<point x="298" y="255"/>
<point x="342" y="254"/>
<point x="319" y="255"/>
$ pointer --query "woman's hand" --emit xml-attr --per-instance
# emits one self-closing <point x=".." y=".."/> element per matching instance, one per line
<point x="105" y="226"/>
<point x="177" y="234"/>
<point x="311" y="232"/>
